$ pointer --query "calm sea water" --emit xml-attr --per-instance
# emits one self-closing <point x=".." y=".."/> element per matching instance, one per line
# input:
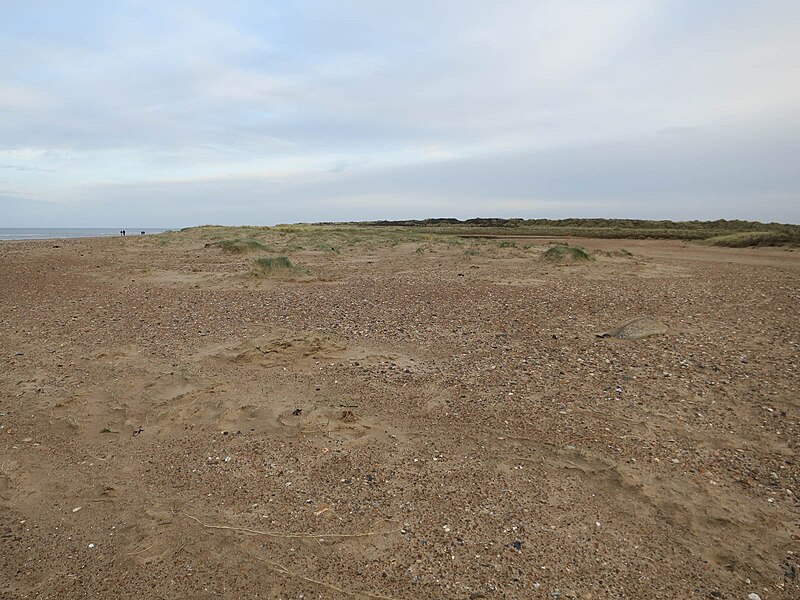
<point x="34" y="233"/>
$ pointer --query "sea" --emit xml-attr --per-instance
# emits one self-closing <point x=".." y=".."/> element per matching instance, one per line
<point x="43" y="233"/>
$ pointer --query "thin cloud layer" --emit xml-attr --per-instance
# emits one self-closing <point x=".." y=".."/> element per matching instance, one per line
<point x="235" y="113"/>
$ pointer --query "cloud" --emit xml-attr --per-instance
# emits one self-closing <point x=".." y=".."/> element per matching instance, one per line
<point x="650" y="106"/>
<point x="26" y="168"/>
<point x="656" y="176"/>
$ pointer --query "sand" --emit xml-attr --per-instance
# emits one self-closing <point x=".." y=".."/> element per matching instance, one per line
<point x="397" y="423"/>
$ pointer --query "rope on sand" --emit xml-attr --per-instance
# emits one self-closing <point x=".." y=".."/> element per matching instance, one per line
<point x="299" y="535"/>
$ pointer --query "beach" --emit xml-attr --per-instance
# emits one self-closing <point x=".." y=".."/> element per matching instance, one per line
<point x="57" y="233"/>
<point x="397" y="418"/>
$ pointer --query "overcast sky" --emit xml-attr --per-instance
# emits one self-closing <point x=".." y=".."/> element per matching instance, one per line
<point x="172" y="114"/>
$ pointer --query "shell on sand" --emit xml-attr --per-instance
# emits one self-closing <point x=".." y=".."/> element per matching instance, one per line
<point x="635" y="329"/>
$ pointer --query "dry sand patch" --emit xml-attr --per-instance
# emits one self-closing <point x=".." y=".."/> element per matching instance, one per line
<point x="425" y="424"/>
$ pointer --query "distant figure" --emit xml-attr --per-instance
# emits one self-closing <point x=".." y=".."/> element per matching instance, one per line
<point x="122" y="232"/>
<point x="143" y="233"/>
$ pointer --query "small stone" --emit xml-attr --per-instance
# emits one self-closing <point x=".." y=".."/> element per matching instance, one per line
<point x="753" y="596"/>
<point x="76" y="509"/>
<point x="91" y="546"/>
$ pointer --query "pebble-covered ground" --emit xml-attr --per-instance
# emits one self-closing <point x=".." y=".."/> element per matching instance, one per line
<point x="404" y="420"/>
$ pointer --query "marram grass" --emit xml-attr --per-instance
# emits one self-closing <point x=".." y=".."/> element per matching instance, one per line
<point x="240" y="245"/>
<point x="566" y="254"/>
<point x="276" y="266"/>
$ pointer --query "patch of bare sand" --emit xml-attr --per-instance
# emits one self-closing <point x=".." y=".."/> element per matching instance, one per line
<point x="434" y="424"/>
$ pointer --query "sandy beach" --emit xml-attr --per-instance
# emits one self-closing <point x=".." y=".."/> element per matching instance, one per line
<point x="404" y="420"/>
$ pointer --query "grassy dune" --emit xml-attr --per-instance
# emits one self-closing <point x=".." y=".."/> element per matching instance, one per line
<point x="756" y="238"/>
<point x="566" y="254"/>
<point x="330" y="237"/>
<point x="276" y="265"/>
<point x="240" y="245"/>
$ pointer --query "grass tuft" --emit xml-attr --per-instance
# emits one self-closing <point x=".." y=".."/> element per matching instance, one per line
<point x="276" y="265"/>
<point x="622" y="252"/>
<point x="240" y="245"/>
<point x="566" y="254"/>
<point x="325" y="247"/>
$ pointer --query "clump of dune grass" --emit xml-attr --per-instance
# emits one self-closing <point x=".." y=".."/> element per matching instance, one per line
<point x="566" y="254"/>
<point x="325" y="247"/>
<point x="271" y="266"/>
<point x="507" y="244"/>
<point x="240" y="245"/>
<point x="755" y="238"/>
<point x="622" y="252"/>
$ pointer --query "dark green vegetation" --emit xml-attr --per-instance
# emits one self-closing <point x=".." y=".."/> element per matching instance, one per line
<point x="566" y="254"/>
<point x="600" y="228"/>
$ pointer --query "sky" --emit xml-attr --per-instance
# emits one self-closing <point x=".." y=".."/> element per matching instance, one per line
<point x="172" y="114"/>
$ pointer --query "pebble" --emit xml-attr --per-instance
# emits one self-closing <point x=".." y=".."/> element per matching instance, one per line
<point x="753" y="596"/>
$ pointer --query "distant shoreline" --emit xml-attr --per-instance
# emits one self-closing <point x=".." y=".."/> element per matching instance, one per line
<point x="10" y="234"/>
